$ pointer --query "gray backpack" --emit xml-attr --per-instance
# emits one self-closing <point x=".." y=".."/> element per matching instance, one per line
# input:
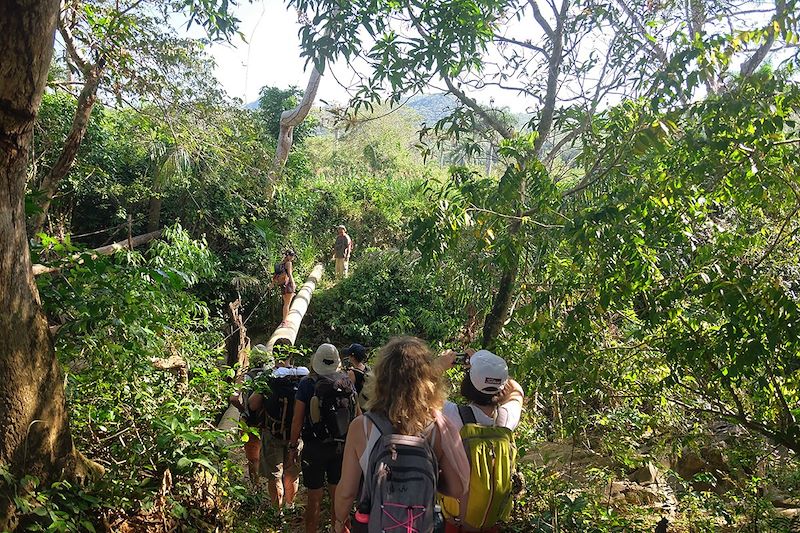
<point x="399" y="487"/>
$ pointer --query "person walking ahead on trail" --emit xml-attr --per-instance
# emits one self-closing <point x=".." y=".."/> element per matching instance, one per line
<point x="282" y="473"/>
<point x="324" y="406"/>
<point x="249" y="402"/>
<point x="486" y="425"/>
<point x="404" y="450"/>
<point x="341" y="251"/>
<point x="283" y="278"/>
<point x="358" y="371"/>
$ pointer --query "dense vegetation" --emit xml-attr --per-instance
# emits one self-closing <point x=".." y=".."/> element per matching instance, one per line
<point x="629" y="244"/>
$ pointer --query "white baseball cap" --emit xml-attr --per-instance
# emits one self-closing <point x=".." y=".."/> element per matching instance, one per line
<point x="488" y="372"/>
<point x="325" y="360"/>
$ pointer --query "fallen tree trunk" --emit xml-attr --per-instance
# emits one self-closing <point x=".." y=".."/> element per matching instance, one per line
<point x="131" y="243"/>
<point x="296" y="313"/>
<point x="298" y="309"/>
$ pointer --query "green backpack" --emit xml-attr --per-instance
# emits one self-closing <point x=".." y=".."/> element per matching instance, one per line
<point x="492" y="458"/>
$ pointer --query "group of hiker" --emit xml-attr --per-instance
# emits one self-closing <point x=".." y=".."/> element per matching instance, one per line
<point x="394" y="453"/>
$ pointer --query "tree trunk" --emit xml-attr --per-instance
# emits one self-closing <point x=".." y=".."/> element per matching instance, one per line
<point x="502" y="303"/>
<point x="34" y="429"/>
<point x="154" y="212"/>
<point x="72" y="144"/>
<point x="290" y="119"/>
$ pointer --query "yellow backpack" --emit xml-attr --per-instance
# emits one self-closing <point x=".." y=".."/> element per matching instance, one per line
<point x="492" y="458"/>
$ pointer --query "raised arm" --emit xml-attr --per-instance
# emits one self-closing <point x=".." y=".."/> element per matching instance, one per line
<point x="509" y="409"/>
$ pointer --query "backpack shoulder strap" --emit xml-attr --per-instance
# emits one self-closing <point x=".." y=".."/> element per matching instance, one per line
<point x="381" y="422"/>
<point x="467" y="414"/>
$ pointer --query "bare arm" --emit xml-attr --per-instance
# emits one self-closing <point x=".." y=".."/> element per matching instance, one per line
<point x="347" y="489"/>
<point x="445" y="361"/>
<point x="509" y="409"/>
<point x="512" y="392"/>
<point x="289" y="272"/>
<point x="297" y="421"/>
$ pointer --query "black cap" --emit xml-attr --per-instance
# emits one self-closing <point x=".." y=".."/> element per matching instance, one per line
<point x="356" y="350"/>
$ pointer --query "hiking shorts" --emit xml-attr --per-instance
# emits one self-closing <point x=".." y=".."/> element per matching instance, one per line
<point x="288" y="288"/>
<point x="275" y="458"/>
<point x="321" y="462"/>
<point x="252" y="448"/>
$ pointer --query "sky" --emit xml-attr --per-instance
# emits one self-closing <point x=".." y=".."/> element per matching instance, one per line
<point x="271" y="56"/>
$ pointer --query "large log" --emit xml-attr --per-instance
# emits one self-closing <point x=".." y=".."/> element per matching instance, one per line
<point x="298" y="309"/>
<point x="131" y="243"/>
<point x="296" y="313"/>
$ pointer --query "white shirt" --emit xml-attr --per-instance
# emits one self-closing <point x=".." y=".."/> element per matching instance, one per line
<point x="506" y="415"/>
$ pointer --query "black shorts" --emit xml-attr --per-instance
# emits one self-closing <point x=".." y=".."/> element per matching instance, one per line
<point x="321" y="461"/>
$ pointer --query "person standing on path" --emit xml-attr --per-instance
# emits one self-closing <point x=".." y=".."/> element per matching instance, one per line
<point x="341" y="252"/>
<point x="406" y="395"/>
<point x="358" y="371"/>
<point x="283" y="278"/>
<point x="494" y="401"/>
<point x="325" y="404"/>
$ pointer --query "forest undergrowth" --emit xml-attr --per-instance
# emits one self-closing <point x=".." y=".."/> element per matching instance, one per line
<point x="634" y="258"/>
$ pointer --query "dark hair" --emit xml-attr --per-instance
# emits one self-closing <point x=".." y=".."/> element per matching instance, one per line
<point x="475" y="396"/>
<point x="357" y="352"/>
<point x="360" y="357"/>
<point x="289" y="252"/>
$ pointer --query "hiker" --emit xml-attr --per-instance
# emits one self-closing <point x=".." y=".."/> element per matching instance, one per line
<point x="282" y="473"/>
<point x="283" y="278"/>
<point x="325" y="405"/>
<point x="251" y="409"/>
<point x="341" y="251"/>
<point x="358" y="371"/>
<point x="486" y="426"/>
<point x="404" y="431"/>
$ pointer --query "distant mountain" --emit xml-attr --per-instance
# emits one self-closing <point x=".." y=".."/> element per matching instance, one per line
<point x="433" y="107"/>
<point x="251" y="105"/>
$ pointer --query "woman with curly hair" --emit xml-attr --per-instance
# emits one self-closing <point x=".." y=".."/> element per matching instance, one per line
<point x="406" y="396"/>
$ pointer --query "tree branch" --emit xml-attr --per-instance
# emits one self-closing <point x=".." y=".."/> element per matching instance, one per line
<point x="523" y="44"/>
<point x="72" y="50"/>
<point x="289" y="119"/>
<point x="553" y="71"/>
<point x="654" y="47"/>
<point x="488" y="118"/>
<point x="540" y="19"/>
<point x="750" y="66"/>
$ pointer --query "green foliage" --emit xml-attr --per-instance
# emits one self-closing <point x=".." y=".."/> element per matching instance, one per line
<point x="273" y="101"/>
<point x="380" y="143"/>
<point x="548" y="505"/>
<point x="387" y="294"/>
<point x="123" y="314"/>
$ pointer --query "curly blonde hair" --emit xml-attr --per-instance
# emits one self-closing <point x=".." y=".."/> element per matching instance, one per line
<point x="405" y="386"/>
